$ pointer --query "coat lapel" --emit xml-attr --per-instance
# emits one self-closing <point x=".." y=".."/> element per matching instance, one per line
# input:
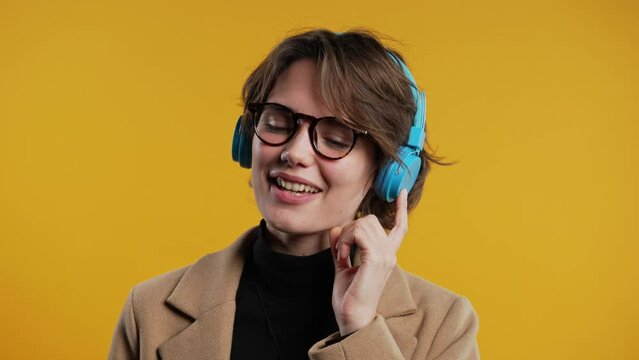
<point x="208" y="337"/>
<point x="398" y="308"/>
<point x="206" y="293"/>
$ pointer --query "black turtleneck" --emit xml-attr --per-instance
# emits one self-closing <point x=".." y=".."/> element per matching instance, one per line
<point x="292" y="293"/>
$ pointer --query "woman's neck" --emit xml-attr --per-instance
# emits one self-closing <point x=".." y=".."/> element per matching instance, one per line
<point x="296" y="244"/>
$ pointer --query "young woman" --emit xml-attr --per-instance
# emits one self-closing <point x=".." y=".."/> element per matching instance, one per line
<point x="333" y="131"/>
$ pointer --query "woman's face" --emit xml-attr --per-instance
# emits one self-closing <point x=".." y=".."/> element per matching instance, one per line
<point x="341" y="184"/>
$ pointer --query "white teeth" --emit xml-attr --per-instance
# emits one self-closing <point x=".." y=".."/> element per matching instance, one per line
<point x="295" y="187"/>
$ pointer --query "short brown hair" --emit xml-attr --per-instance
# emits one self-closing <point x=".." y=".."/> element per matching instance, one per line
<point x="362" y="85"/>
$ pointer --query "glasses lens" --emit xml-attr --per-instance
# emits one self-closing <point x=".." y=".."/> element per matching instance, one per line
<point x="274" y="124"/>
<point x="333" y="139"/>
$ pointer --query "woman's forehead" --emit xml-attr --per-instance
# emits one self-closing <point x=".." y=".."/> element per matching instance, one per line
<point x="298" y="88"/>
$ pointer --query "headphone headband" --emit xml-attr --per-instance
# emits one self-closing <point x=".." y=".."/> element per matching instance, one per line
<point x="417" y="133"/>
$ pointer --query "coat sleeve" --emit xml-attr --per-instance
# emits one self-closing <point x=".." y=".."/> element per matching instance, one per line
<point x="374" y="341"/>
<point x="455" y="339"/>
<point x="124" y="345"/>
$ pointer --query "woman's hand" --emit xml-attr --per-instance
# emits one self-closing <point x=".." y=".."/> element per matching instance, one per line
<point x="357" y="288"/>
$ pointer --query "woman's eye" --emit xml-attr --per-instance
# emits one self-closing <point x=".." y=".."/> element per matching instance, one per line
<point x="277" y="128"/>
<point x="335" y="144"/>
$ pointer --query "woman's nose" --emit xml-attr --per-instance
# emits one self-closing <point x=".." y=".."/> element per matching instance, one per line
<point x="299" y="150"/>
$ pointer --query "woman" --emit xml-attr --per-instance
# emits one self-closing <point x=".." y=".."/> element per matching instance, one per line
<point x="333" y="131"/>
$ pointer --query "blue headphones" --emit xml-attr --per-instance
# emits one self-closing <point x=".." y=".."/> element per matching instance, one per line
<point x="392" y="177"/>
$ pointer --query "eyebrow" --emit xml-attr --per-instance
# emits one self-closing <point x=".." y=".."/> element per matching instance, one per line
<point x="298" y="112"/>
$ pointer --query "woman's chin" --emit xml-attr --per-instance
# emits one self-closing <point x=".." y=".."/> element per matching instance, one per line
<point x="300" y="222"/>
<point x="293" y="226"/>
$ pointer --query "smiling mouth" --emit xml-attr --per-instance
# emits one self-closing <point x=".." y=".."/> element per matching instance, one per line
<point x="294" y="187"/>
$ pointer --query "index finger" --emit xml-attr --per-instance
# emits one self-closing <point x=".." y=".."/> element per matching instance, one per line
<point x="401" y="218"/>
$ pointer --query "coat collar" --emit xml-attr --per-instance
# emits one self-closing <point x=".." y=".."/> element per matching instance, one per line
<point x="212" y="280"/>
<point x="206" y="293"/>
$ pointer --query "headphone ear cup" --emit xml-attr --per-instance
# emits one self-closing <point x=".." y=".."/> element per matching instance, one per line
<point x="241" y="148"/>
<point x="395" y="176"/>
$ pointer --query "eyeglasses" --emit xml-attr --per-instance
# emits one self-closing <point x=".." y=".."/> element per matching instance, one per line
<point x="275" y="125"/>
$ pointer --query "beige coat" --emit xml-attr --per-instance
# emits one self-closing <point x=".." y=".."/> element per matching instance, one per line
<point x="189" y="313"/>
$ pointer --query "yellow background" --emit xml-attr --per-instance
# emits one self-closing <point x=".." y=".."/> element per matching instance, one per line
<point x="115" y="130"/>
